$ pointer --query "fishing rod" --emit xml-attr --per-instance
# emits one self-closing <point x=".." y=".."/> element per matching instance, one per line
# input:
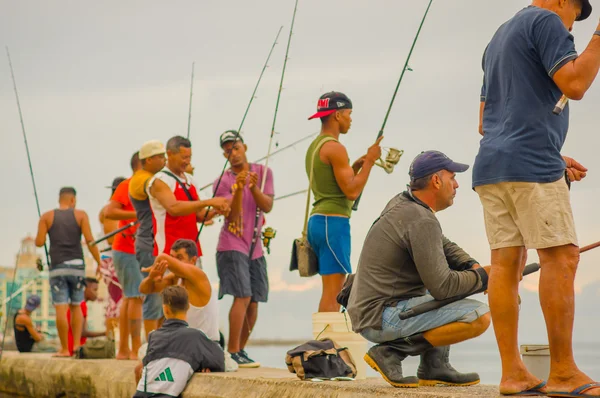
<point x="113" y="233"/>
<point x="406" y="67"/>
<point x="237" y="133"/>
<point x="266" y="166"/>
<point x="37" y="202"/>
<point x="435" y="304"/>
<point x="190" y="111"/>
<point x="272" y="154"/>
<point x="289" y="195"/>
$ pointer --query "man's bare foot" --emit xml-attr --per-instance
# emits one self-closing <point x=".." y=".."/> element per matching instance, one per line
<point x="568" y="384"/>
<point x="123" y="355"/>
<point x="521" y="381"/>
<point x="62" y="354"/>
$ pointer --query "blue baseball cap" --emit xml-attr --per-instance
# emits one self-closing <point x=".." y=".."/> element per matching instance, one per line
<point x="430" y="162"/>
<point x="32" y="302"/>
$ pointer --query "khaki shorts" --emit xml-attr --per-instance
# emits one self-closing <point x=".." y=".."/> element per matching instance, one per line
<point x="528" y="214"/>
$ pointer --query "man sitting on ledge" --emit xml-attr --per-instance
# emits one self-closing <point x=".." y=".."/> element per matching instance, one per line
<point x="175" y="351"/>
<point x="406" y="261"/>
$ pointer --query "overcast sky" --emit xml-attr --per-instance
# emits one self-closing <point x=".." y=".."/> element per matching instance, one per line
<point x="96" y="80"/>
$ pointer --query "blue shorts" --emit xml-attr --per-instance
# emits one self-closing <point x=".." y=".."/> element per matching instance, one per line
<point x="67" y="289"/>
<point x="329" y="236"/>
<point x="152" y="306"/>
<point x="466" y="310"/>
<point x="129" y="273"/>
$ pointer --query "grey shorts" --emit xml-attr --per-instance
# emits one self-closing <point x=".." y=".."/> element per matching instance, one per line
<point x="241" y="277"/>
<point x="152" y="306"/>
<point x="466" y="310"/>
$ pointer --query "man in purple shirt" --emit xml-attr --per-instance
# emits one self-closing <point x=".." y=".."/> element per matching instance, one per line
<point x="242" y="275"/>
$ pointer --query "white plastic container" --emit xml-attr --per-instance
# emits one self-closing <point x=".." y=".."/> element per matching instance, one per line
<point x="337" y="327"/>
<point x="537" y="359"/>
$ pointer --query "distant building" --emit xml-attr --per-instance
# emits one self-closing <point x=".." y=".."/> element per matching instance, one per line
<point x="29" y="280"/>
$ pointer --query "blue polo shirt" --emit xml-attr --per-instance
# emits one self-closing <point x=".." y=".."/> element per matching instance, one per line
<point x="522" y="137"/>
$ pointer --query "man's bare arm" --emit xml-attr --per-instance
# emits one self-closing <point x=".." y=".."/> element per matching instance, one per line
<point x="114" y="211"/>
<point x="263" y="201"/>
<point x="27" y="322"/>
<point x="177" y="208"/>
<point x="575" y="77"/>
<point x="155" y="282"/>
<point x="86" y="231"/>
<point x="194" y="278"/>
<point x="351" y="184"/>
<point x="42" y="231"/>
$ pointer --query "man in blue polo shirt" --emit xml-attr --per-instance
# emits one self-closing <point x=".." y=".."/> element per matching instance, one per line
<point x="522" y="180"/>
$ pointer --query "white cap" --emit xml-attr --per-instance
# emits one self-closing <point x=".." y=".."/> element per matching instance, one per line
<point x="152" y="148"/>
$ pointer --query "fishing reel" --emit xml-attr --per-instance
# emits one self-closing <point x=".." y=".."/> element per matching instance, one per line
<point x="39" y="264"/>
<point x="391" y="159"/>
<point x="268" y="234"/>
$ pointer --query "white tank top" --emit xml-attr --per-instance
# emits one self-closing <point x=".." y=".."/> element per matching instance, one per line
<point x="206" y="318"/>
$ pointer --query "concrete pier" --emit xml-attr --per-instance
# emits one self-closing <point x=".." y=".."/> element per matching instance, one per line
<point x="40" y="375"/>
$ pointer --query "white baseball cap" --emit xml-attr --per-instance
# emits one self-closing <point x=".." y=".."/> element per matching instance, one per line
<point x="152" y="148"/>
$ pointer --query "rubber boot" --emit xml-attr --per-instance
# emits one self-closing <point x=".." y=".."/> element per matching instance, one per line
<point x="386" y="359"/>
<point x="435" y="369"/>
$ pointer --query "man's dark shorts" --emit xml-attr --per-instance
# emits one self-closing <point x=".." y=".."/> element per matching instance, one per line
<point x="241" y="277"/>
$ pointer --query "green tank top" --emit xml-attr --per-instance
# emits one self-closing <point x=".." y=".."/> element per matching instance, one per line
<point x="329" y="198"/>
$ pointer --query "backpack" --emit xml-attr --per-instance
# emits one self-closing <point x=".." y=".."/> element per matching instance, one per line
<point x="320" y="359"/>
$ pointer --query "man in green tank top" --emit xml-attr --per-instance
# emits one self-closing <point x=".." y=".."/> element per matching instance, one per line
<point x="335" y="185"/>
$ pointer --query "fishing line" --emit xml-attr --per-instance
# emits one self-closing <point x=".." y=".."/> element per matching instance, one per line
<point x="406" y="67"/>
<point x="190" y="111"/>
<point x="239" y="129"/>
<point x="272" y="154"/>
<point x="40" y="265"/>
<point x="266" y="166"/>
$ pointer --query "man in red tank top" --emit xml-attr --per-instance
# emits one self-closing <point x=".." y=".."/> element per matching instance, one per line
<point x="174" y="199"/>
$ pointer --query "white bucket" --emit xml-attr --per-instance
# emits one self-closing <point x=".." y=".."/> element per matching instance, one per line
<point x="537" y="359"/>
<point x="337" y="327"/>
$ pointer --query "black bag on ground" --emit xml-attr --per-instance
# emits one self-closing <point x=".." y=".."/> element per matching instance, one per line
<point x="320" y="358"/>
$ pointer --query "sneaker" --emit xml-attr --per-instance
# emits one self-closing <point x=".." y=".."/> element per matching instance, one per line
<point x="245" y="355"/>
<point x="242" y="361"/>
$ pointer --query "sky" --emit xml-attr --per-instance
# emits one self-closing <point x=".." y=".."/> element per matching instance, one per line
<point x="96" y="80"/>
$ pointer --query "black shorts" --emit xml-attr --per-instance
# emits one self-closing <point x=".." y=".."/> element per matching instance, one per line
<point x="241" y="277"/>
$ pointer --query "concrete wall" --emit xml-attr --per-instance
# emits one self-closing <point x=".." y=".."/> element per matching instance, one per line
<point x="39" y="375"/>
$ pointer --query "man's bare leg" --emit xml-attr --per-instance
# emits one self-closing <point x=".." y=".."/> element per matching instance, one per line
<point x="124" y="349"/>
<point x="237" y="317"/>
<point x="503" y="292"/>
<point x="249" y="322"/>
<point x="135" y="325"/>
<point x="62" y="327"/>
<point x="557" y="297"/>
<point x="76" y="325"/>
<point x="457" y="332"/>
<point x="332" y="286"/>
<point x="149" y="326"/>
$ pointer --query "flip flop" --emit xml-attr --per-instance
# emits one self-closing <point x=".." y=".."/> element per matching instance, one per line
<point x="578" y="392"/>
<point x="533" y="391"/>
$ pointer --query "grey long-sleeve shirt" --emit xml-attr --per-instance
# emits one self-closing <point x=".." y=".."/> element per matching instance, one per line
<point x="405" y="255"/>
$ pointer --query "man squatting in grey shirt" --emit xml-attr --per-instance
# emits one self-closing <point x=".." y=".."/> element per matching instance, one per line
<point x="406" y="261"/>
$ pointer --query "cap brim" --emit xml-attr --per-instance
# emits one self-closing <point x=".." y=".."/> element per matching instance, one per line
<point x="586" y="10"/>
<point x="322" y="114"/>
<point x="457" y="167"/>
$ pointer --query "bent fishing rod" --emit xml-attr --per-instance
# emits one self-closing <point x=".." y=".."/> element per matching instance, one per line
<point x="116" y="231"/>
<point x="37" y="202"/>
<point x="272" y="154"/>
<point x="237" y="134"/>
<point x="436" y="304"/>
<point x="266" y="166"/>
<point x="190" y="111"/>
<point x="406" y="67"/>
